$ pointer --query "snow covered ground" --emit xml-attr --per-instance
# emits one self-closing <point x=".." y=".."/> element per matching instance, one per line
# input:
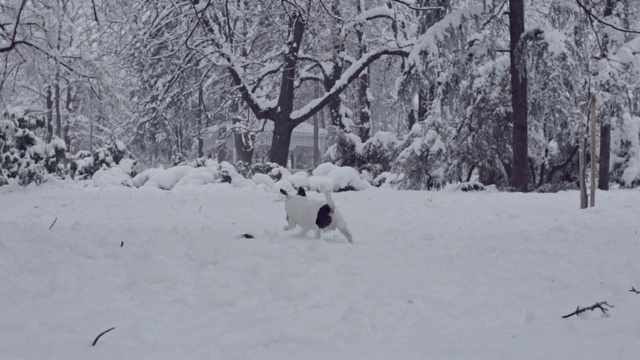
<point x="431" y="275"/>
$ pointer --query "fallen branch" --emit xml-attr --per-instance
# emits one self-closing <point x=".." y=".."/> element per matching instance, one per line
<point x="54" y="222"/>
<point x="102" y="333"/>
<point x="633" y="290"/>
<point x="122" y="244"/>
<point x="600" y="305"/>
<point x="247" y="236"/>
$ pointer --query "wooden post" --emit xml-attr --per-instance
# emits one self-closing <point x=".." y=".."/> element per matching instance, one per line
<point x="592" y="112"/>
<point x="582" y="159"/>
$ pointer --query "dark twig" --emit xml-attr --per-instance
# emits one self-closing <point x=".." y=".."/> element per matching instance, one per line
<point x="600" y="305"/>
<point x="54" y="222"/>
<point x="122" y="244"/>
<point x="247" y="236"/>
<point x="102" y="333"/>
<point x="633" y="290"/>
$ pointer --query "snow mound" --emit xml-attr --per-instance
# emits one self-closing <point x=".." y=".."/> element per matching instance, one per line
<point x="265" y="180"/>
<point x="167" y="178"/>
<point x="111" y="177"/>
<point x="347" y="178"/>
<point x="324" y="169"/>
<point x="140" y="179"/>
<point x="320" y="184"/>
<point x="198" y="176"/>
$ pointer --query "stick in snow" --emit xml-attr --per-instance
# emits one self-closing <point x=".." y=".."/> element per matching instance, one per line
<point x="54" y="222"/>
<point x="122" y="244"/>
<point x="633" y="290"/>
<point x="600" y="305"/>
<point x="102" y="333"/>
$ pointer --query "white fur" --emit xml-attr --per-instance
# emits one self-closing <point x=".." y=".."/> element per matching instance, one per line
<point x="302" y="211"/>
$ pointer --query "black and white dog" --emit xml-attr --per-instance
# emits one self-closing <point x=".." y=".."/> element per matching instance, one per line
<point x="313" y="214"/>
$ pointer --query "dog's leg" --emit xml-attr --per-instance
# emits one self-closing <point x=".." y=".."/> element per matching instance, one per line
<point x="346" y="233"/>
<point x="290" y="224"/>
<point x="303" y="231"/>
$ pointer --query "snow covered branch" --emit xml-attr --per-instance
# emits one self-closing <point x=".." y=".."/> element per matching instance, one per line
<point x="603" y="306"/>
<point x="348" y="76"/>
<point x="411" y="5"/>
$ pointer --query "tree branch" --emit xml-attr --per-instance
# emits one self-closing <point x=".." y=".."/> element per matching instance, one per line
<point x="600" y="305"/>
<point x="348" y="76"/>
<point x="102" y="333"/>
<point x="413" y="7"/>
<point x="12" y="43"/>
<point x="596" y="18"/>
<point x="633" y="290"/>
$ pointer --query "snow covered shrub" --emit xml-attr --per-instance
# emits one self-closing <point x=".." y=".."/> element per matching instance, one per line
<point x="24" y="155"/>
<point x="85" y="164"/>
<point x="626" y="148"/>
<point x="346" y="178"/>
<point x="421" y="163"/>
<point x="345" y="151"/>
<point x="269" y="168"/>
<point x="244" y="169"/>
<point x="377" y="154"/>
<point x="386" y="179"/>
<point x="228" y="173"/>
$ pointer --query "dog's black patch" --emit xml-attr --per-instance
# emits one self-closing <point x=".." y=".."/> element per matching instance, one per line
<point x="283" y="192"/>
<point x="324" y="217"/>
<point x="301" y="192"/>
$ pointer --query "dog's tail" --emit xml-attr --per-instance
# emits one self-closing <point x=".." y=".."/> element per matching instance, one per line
<point x="330" y="202"/>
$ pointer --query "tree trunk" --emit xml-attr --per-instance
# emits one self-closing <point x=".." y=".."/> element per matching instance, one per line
<point x="363" y="86"/>
<point x="49" y="114"/>
<point x="56" y="99"/>
<point x="605" y="125"/>
<point x="519" y="180"/>
<point x="605" y="153"/>
<point x="280" y="141"/>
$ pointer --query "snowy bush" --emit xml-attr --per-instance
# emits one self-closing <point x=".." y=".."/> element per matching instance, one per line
<point x="386" y="179"/>
<point x="626" y="148"/>
<point x="24" y="154"/>
<point x="421" y="161"/>
<point x="345" y="151"/>
<point x="111" y="177"/>
<point x="346" y="178"/>
<point x="378" y="153"/>
<point x="85" y="164"/>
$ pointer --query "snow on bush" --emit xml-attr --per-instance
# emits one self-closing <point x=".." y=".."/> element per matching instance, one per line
<point x="347" y="178"/>
<point x="167" y="178"/>
<point x="386" y="179"/>
<point x="24" y="154"/>
<point x="320" y="184"/>
<point x="323" y="169"/>
<point x="378" y="153"/>
<point x="264" y="179"/>
<point x="115" y="176"/>
<point x="197" y="176"/>
<point x="85" y="164"/>
<point x="142" y="178"/>
<point x="421" y="160"/>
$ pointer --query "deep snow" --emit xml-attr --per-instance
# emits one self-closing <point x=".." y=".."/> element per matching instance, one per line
<point x="431" y="275"/>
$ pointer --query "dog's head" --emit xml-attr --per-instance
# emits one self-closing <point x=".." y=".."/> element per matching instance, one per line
<point x="300" y="192"/>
